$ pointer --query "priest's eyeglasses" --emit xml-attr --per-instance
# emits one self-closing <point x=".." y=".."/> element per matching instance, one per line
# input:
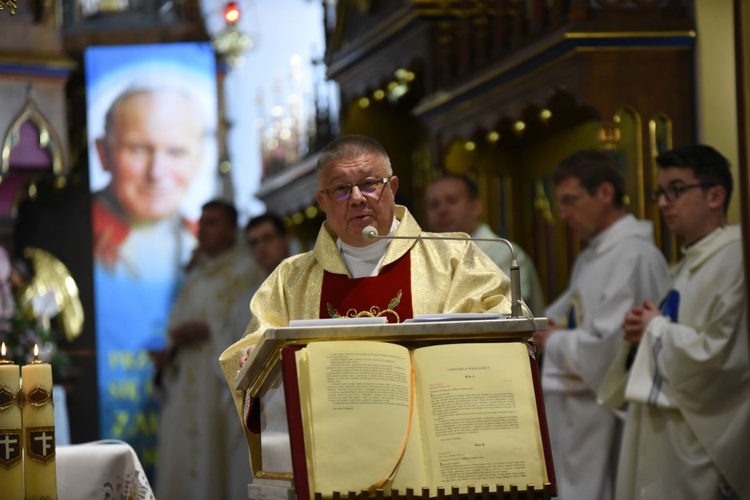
<point x="671" y="193"/>
<point x="368" y="186"/>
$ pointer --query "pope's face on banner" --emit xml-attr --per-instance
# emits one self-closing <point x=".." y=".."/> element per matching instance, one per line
<point x="348" y="213"/>
<point x="153" y="150"/>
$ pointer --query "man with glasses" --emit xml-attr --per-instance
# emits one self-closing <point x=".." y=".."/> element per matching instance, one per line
<point x="348" y="275"/>
<point x="688" y="424"/>
<point x="618" y="268"/>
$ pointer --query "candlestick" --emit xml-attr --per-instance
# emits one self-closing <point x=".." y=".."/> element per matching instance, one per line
<point x="38" y="430"/>
<point x="11" y="434"/>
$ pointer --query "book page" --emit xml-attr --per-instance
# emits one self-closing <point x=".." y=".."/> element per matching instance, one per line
<point x="359" y="398"/>
<point x="479" y="417"/>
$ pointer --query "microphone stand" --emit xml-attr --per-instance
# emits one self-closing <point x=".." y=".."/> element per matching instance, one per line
<point x="516" y="307"/>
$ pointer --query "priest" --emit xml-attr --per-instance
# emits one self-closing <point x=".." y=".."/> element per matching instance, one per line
<point x="347" y="274"/>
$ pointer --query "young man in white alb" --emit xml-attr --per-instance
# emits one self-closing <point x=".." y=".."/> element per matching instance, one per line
<point x="688" y="423"/>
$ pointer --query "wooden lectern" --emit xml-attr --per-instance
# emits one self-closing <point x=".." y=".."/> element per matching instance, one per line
<point x="275" y="358"/>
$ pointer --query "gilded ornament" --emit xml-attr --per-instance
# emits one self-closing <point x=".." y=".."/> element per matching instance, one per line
<point x="374" y="311"/>
<point x="39" y="396"/>
<point x="20" y="399"/>
<point x="11" y="4"/>
<point x="52" y="277"/>
<point x="6" y="399"/>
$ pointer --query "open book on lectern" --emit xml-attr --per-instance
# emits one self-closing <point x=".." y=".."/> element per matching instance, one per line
<point x="431" y="404"/>
<point x="377" y="415"/>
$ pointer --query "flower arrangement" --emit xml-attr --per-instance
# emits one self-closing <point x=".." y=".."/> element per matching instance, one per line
<point x="25" y="323"/>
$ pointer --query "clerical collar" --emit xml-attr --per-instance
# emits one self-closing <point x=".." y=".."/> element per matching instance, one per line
<point x="365" y="261"/>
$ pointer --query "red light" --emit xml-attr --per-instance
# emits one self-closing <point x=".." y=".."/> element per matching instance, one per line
<point x="231" y="12"/>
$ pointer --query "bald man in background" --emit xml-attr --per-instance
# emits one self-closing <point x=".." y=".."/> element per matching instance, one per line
<point x="453" y="204"/>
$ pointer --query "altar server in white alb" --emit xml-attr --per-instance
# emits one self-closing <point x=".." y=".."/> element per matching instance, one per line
<point x="618" y="268"/>
<point x="202" y="454"/>
<point x="454" y="205"/>
<point x="687" y="433"/>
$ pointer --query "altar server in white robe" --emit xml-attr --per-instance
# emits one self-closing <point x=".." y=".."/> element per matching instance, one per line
<point x="202" y="452"/>
<point x="455" y="205"/>
<point x="618" y="268"/>
<point x="687" y="433"/>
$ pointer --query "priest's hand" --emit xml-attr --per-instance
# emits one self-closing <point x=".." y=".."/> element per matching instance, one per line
<point x="637" y="319"/>
<point x="540" y="338"/>
<point x="243" y="358"/>
<point x="190" y="333"/>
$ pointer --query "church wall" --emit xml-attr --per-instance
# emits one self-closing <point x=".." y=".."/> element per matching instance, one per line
<point x="716" y="98"/>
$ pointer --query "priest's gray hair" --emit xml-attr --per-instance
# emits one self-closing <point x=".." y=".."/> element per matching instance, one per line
<point x="352" y="146"/>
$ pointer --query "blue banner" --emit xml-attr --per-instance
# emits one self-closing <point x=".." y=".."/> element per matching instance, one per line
<point x="152" y="117"/>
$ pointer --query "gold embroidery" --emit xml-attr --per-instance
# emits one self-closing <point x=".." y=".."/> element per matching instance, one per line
<point x="11" y="4"/>
<point x="372" y="313"/>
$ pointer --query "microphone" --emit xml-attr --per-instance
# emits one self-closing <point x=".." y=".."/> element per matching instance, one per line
<point x="370" y="233"/>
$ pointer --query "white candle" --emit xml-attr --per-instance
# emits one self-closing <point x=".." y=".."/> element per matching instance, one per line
<point x="11" y="433"/>
<point x="39" y="431"/>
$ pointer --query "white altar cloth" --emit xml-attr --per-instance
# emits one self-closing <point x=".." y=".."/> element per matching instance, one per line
<point x="99" y="470"/>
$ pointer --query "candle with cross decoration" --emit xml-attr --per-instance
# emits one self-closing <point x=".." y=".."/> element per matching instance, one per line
<point x="38" y="430"/>
<point x="11" y="440"/>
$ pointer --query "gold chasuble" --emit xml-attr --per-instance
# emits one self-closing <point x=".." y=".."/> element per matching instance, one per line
<point x="432" y="276"/>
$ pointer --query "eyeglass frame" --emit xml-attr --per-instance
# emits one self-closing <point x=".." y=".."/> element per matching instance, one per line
<point x="677" y="190"/>
<point x="377" y="184"/>
<point x="568" y="201"/>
